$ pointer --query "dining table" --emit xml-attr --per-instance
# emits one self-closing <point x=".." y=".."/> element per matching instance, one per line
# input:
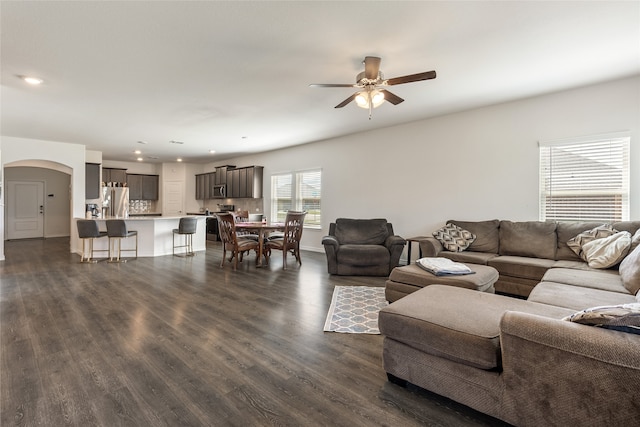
<point x="261" y="228"/>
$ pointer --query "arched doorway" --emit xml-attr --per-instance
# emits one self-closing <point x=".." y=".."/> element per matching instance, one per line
<point x="38" y="199"/>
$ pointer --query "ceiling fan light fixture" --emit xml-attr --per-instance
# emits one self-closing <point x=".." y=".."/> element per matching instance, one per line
<point x="367" y="98"/>
<point x="362" y="99"/>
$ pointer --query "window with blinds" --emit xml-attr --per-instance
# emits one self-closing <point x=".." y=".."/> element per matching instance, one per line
<point x="300" y="191"/>
<point x="585" y="179"/>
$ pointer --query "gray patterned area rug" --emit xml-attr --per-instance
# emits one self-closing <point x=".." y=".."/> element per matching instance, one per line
<point x="354" y="310"/>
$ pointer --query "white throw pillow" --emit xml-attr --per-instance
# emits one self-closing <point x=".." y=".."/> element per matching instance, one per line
<point x="454" y="238"/>
<point x="608" y="251"/>
<point x="576" y="243"/>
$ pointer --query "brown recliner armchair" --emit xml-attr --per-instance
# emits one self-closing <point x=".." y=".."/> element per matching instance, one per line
<point x="362" y="247"/>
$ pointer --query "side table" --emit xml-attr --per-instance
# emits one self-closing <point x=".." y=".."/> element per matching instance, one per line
<point x="410" y="240"/>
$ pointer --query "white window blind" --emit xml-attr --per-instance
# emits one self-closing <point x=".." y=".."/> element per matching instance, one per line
<point x="281" y="201"/>
<point x="585" y="179"/>
<point x="300" y="191"/>
<point x="308" y="196"/>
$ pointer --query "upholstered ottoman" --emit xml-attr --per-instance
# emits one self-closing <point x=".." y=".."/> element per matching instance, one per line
<point x="405" y="280"/>
<point x="447" y="340"/>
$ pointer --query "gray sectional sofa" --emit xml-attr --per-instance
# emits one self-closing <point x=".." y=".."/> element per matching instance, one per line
<point x="521" y="360"/>
<point x="522" y="252"/>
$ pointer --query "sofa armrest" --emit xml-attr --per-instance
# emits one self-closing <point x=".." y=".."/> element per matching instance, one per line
<point x="562" y="373"/>
<point x="331" y="247"/>
<point x="331" y="241"/>
<point x="394" y="240"/>
<point x="430" y="247"/>
<point x="395" y="245"/>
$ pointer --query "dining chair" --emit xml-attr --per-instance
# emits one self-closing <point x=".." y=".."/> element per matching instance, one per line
<point x="186" y="227"/>
<point x="290" y="239"/>
<point x="88" y="230"/>
<point x="117" y="230"/>
<point x="238" y="245"/>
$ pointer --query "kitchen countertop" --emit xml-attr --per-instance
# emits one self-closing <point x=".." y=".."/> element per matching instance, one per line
<point x="143" y="218"/>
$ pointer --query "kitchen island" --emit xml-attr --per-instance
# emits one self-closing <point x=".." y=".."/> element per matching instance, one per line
<point x="155" y="235"/>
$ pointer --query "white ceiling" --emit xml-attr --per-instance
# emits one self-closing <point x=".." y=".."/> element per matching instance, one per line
<point x="233" y="76"/>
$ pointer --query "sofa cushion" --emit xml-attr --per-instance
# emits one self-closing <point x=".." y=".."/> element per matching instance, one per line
<point x="363" y="255"/>
<point x="622" y="317"/>
<point x="578" y="241"/>
<point x="606" y="280"/>
<point x="630" y="271"/>
<point x="630" y="226"/>
<point x="486" y="232"/>
<point x="454" y="238"/>
<point x="469" y="257"/>
<point x="361" y="231"/>
<point x="608" y="251"/>
<point x="454" y="323"/>
<point x="575" y="297"/>
<point x="568" y="230"/>
<point x="524" y="267"/>
<point x="530" y="239"/>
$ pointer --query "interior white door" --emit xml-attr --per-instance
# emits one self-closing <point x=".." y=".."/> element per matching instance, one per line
<point x="173" y="198"/>
<point x="25" y="209"/>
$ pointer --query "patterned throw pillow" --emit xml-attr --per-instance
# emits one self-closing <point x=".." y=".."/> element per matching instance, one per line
<point x="454" y="238"/>
<point x="599" y="232"/>
<point x="623" y="317"/>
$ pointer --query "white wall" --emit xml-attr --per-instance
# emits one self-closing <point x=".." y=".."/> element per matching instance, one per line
<point x="474" y="165"/>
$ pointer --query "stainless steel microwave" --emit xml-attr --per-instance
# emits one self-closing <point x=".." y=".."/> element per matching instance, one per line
<point x="219" y="191"/>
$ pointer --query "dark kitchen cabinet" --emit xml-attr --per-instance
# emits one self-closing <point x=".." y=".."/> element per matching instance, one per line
<point x="134" y="182"/>
<point x="221" y="174"/>
<point x="91" y="180"/>
<point x="202" y="186"/>
<point x="150" y="184"/>
<point x="240" y="182"/>
<point x="114" y="175"/>
<point x="142" y="187"/>
<point x="245" y="182"/>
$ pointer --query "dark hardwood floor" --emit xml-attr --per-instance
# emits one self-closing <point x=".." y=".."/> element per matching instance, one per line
<point x="180" y="341"/>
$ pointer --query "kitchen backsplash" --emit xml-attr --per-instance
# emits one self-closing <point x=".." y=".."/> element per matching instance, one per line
<point x="141" y="206"/>
<point x="251" y="205"/>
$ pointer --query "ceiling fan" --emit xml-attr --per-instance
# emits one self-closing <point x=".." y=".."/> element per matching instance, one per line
<point x="369" y="83"/>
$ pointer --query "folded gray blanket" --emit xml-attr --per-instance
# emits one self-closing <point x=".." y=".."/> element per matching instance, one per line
<point x="443" y="267"/>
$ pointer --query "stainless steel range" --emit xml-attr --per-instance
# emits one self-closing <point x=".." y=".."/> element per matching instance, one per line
<point x="212" y="222"/>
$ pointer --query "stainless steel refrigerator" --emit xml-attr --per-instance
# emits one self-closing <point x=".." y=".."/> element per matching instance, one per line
<point x="115" y="202"/>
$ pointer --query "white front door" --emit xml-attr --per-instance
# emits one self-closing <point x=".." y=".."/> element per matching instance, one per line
<point x="173" y="198"/>
<point x="25" y="209"/>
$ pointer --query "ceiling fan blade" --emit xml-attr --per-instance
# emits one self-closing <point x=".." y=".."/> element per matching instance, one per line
<point x="412" y="78"/>
<point x="332" y="85"/>
<point x="371" y="67"/>
<point x="392" y="98"/>
<point x="346" y="101"/>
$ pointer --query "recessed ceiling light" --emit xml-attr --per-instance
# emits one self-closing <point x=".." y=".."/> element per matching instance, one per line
<point x="179" y="159"/>
<point x="212" y="151"/>
<point x="140" y="159"/>
<point x="137" y="152"/>
<point x="32" y="80"/>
